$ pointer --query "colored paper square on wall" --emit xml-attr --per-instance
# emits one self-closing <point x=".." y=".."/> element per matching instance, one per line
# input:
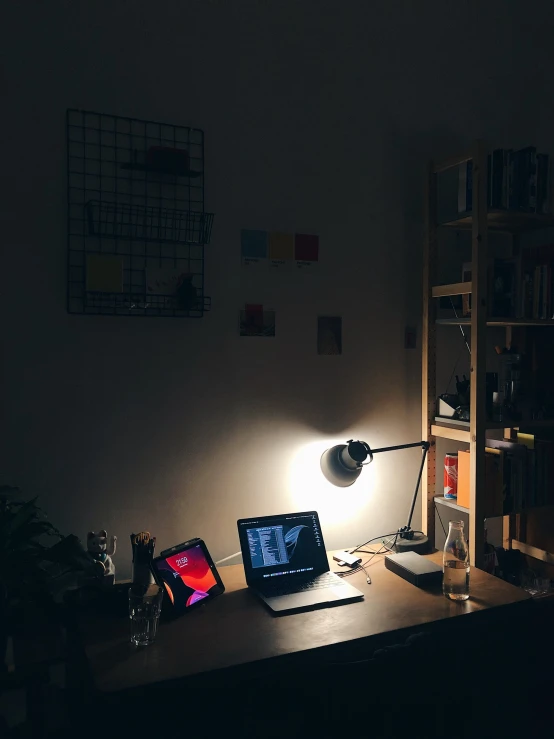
<point x="104" y="274"/>
<point x="281" y="246"/>
<point x="306" y="247"/>
<point x="255" y="321"/>
<point x="253" y="244"/>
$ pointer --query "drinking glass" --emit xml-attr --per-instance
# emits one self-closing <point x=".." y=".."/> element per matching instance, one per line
<point x="145" y="605"/>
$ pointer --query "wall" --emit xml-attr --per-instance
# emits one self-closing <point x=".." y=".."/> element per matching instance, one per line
<point x="317" y="116"/>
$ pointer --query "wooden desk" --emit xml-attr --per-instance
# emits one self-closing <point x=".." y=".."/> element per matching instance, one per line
<point x="236" y="630"/>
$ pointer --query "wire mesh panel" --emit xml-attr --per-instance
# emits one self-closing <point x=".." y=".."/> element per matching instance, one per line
<point x="136" y="221"/>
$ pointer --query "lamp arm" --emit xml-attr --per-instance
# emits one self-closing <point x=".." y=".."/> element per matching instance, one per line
<point x="425" y="447"/>
<point x="406" y="531"/>
<point x="424" y="444"/>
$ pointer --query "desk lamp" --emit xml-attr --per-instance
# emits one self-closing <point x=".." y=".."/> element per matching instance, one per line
<point x="342" y="465"/>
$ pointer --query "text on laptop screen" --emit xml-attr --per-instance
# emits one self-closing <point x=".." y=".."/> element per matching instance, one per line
<point x="285" y="545"/>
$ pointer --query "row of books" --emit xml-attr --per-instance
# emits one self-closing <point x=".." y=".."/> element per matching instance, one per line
<point x="517" y="181"/>
<point x="527" y="474"/>
<point x="522" y="287"/>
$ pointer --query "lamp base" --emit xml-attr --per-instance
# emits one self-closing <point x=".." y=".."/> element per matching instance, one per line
<point x="419" y="544"/>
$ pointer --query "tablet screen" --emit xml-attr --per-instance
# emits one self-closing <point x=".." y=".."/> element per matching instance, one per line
<point x="187" y="577"/>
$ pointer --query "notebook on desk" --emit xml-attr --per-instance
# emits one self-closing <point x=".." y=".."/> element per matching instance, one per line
<point x="286" y="564"/>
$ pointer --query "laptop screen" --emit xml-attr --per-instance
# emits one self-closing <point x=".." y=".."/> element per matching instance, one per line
<point x="286" y="545"/>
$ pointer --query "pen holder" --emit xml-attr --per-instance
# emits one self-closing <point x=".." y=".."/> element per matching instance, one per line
<point x="143" y="551"/>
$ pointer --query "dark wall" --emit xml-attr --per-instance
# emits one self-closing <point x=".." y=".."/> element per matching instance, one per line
<point x="318" y="115"/>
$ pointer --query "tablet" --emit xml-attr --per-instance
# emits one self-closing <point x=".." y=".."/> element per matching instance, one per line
<point x="188" y="575"/>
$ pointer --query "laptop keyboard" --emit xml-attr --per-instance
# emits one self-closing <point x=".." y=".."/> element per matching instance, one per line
<point x="327" y="580"/>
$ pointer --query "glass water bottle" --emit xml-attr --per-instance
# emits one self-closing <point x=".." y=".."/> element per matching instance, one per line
<point x="455" y="581"/>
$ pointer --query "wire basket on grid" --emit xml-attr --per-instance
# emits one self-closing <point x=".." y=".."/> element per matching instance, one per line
<point x="148" y="223"/>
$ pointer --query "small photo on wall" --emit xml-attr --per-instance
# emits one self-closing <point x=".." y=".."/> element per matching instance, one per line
<point x="255" y="321"/>
<point x="329" y="335"/>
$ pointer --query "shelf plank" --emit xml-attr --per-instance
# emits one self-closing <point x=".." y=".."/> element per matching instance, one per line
<point x="466" y="321"/>
<point x="505" y="220"/>
<point x="450" y="503"/>
<point x="457" y="288"/>
<point x="442" y="166"/>
<point x="465" y="425"/>
<point x="445" y="432"/>
<point x="534" y="552"/>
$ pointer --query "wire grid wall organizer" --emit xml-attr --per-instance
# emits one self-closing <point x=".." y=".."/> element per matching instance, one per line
<point x="136" y="222"/>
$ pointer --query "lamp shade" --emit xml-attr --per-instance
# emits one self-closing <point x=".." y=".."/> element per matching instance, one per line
<point x="342" y="464"/>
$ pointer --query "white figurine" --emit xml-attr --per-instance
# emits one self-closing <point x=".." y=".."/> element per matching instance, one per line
<point x="97" y="547"/>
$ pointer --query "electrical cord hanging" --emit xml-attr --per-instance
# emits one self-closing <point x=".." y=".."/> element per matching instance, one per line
<point x="460" y="326"/>
<point x="440" y="519"/>
<point x="219" y="561"/>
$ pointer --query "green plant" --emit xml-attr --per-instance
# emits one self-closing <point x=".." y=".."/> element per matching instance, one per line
<point x="24" y="530"/>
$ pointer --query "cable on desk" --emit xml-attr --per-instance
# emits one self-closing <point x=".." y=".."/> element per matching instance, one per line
<point x="219" y="561"/>
<point x="362" y="565"/>
<point x="381" y="536"/>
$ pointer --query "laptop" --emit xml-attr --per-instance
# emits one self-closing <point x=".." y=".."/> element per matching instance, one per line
<point x="286" y="563"/>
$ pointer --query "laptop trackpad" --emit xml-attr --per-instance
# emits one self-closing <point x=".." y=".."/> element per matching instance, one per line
<point x="313" y="599"/>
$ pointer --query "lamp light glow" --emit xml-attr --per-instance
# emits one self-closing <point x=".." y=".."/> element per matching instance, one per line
<point x="342" y="465"/>
<point x="310" y="490"/>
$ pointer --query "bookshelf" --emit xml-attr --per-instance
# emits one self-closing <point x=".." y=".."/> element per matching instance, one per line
<point x="479" y="223"/>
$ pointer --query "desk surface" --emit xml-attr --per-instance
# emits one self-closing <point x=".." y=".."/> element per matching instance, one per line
<point x="236" y="629"/>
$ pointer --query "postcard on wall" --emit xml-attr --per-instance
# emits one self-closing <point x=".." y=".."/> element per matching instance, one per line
<point x="171" y="287"/>
<point x="254" y="320"/>
<point x="253" y="248"/>
<point x="104" y="273"/>
<point x="329" y="335"/>
<point x="306" y="251"/>
<point x="281" y="251"/>
<point x="164" y="280"/>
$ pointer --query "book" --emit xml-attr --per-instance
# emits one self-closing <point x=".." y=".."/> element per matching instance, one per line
<point x="536" y="291"/>
<point x="512" y="177"/>
<point x="505" y="287"/>
<point x="498" y="179"/>
<point x="545" y="281"/>
<point x="465" y="187"/>
<point x="505" y="176"/>
<point x="516" y="180"/>
<point x="531" y="179"/>
<point x="527" y="295"/>
<point x="507" y="446"/>
<point x="543" y="185"/>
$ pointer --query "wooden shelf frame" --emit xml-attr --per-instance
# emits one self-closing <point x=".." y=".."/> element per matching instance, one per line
<point x="449" y="432"/>
<point x="534" y="552"/>
<point x="503" y="221"/>
<point x="475" y="436"/>
<point x="457" y="288"/>
<point x="480" y="221"/>
<point x="450" y="503"/>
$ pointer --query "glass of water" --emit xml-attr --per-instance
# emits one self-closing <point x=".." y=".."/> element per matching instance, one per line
<point x="145" y="605"/>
